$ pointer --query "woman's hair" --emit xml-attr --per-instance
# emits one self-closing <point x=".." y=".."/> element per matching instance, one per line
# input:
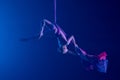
<point x="103" y="54"/>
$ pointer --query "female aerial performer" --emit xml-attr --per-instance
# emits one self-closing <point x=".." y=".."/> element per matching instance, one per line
<point x="95" y="62"/>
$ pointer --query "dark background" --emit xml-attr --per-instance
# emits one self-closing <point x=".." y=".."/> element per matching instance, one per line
<point x="94" y="23"/>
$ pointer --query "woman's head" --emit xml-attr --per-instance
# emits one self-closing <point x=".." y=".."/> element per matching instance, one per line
<point x="102" y="56"/>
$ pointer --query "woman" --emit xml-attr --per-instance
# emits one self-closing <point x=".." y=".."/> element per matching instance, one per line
<point x="94" y="62"/>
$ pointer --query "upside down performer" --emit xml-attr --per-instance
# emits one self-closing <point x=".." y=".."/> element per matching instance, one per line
<point x="95" y="62"/>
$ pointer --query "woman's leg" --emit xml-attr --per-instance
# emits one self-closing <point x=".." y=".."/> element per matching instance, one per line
<point x="72" y="40"/>
<point x="45" y="22"/>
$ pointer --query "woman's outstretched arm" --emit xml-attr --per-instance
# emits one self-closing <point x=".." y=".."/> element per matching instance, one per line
<point x="30" y="38"/>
